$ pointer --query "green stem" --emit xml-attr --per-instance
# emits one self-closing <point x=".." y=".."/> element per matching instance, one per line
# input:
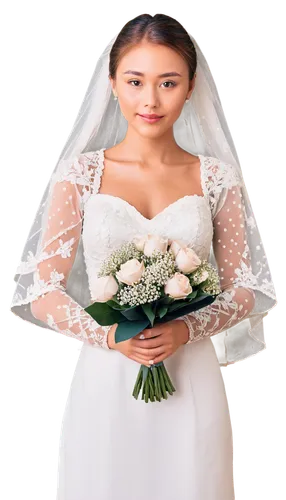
<point x="143" y="390"/>
<point x="151" y="383"/>
<point x="147" y="388"/>
<point x="168" y="385"/>
<point x="162" y="380"/>
<point x="152" y="378"/>
<point x="151" y="386"/>
<point x="156" y="381"/>
<point x="165" y="373"/>
<point x="138" y="383"/>
<point x="159" y="385"/>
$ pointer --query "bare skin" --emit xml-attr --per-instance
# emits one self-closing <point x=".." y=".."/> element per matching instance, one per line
<point x="150" y="187"/>
<point x="148" y="169"/>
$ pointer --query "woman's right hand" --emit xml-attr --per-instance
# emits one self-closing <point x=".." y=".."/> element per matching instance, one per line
<point x="126" y="347"/>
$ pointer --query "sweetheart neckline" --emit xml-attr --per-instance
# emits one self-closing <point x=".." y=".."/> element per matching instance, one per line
<point x="125" y="202"/>
<point x="136" y="211"/>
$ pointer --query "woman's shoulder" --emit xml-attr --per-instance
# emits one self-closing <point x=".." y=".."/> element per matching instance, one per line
<point x="80" y="165"/>
<point x="82" y="171"/>
<point x="219" y="172"/>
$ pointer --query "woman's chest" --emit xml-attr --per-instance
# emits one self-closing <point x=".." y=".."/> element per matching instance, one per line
<point x="110" y="221"/>
<point x="149" y="191"/>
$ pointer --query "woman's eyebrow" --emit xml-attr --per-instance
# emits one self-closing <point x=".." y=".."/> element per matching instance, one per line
<point x="163" y="75"/>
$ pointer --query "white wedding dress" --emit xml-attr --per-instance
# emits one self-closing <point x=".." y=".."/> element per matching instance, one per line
<point x="114" y="447"/>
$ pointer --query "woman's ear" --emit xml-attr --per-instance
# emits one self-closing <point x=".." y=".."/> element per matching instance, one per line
<point x="112" y="84"/>
<point x="192" y="86"/>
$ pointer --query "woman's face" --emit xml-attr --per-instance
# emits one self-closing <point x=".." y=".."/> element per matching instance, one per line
<point x="161" y="88"/>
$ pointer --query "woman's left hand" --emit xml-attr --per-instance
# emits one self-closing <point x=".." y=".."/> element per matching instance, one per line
<point x="160" y="341"/>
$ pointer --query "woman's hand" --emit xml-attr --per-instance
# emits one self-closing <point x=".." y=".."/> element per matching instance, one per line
<point x="126" y="347"/>
<point x="160" y="342"/>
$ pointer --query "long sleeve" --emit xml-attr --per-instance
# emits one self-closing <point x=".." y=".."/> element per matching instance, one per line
<point x="50" y="302"/>
<point x="248" y="289"/>
<point x="232" y="256"/>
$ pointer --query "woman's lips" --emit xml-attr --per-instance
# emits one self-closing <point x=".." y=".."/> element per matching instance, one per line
<point x="150" y="120"/>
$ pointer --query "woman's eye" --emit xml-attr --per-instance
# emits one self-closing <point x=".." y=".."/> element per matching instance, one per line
<point x="132" y="81"/>
<point x="137" y="81"/>
<point x="173" y="84"/>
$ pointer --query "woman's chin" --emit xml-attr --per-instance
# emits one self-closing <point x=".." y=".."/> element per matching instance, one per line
<point x="151" y="132"/>
<point x="150" y="128"/>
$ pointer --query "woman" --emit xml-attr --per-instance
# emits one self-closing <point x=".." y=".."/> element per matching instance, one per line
<point x="177" y="176"/>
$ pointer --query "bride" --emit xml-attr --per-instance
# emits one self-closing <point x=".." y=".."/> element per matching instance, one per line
<point x="150" y="152"/>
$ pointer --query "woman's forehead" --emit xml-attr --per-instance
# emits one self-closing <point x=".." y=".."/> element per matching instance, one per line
<point x="154" y="60"/>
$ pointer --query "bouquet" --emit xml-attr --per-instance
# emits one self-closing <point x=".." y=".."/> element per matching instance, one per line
<point x="147" y="281"/>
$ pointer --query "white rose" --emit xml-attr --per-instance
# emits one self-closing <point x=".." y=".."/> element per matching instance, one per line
<point x="187" y="260"/>
<point x="176" y="245"/>
<point x="155" y="242"/>
<point x="104" y="288"/>
<point x="139" y="241"/>
<point x="178" y="286"/>
<point x="130" y="272"/>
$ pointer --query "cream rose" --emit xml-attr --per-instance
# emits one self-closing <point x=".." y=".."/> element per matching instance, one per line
<point x="130" y="272"/>
<point x="139" y="241"/>
<point x="104" y="288"/>
<point x="187" y="260"/>
<point x="176" y="245"/>
<point x="155" y="242"/>
<point x="178" y="286"/>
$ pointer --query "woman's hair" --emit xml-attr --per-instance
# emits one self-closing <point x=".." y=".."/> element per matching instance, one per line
<point x="158" y="29"/>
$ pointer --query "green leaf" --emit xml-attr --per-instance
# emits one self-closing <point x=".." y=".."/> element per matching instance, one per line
<point x="165" y="300"/>
<point x="134" y="313"/>
<point x="154" y="306"/>
<point x="193" y="306"/>
<point x="177" y="304"/>
<point x="103" y="313"/>
<point x="162" y="311"/>
<point x="147" y="308"/>
<point x="115" y="305"/>
<point x="128" y="329"/>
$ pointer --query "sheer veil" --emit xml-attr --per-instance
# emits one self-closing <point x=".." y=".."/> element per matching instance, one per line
<point x="202" y="128"/>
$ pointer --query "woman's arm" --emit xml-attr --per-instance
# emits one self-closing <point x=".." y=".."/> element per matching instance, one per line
<point x="234" y="267"/>
<point x="51" y="304"/>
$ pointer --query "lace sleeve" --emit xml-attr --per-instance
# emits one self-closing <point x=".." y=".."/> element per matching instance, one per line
<point x="47" y="296"/>
<point x="231" y="252"/>
<point x="238" y="258"/>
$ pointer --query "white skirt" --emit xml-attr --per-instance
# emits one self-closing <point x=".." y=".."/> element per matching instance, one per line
<point x="114" y="447"/>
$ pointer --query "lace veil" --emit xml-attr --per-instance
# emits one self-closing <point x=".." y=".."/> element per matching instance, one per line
<point x="200" y="129"/>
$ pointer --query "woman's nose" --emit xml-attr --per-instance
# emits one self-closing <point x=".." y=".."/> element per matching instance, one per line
<point x="150" y="97"/>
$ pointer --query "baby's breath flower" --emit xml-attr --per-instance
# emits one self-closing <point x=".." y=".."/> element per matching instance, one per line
<point x="119" y="256"/>
<point x="137" y="294"/>
<point x="158" y="269"/>
<point x="212" y="284"/>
